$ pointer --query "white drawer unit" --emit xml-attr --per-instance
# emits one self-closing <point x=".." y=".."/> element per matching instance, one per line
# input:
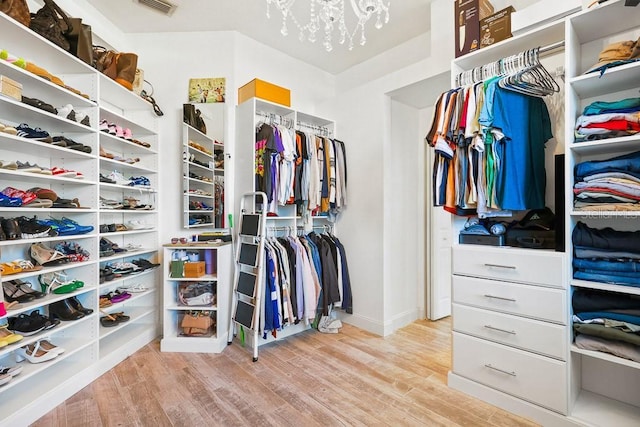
<point x="537" y="379"/>
<point x="531" y="266"/>
<point x="527" y="334"/>
<point x="523" y="300"/>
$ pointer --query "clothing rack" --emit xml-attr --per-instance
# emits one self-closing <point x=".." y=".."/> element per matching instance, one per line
<point x="502" y="66"/>
<point x="275" y="119"/>
<point x="316" y="129"/>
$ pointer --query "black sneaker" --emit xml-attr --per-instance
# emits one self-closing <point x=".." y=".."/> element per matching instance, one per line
<point x="30" y="228"/>
<point x="106" y="248"/>
<point x="11" y="228"/>
<point x="144" y="264"/>
<point x="49" y="323"/>
<point x="26" y="325"/>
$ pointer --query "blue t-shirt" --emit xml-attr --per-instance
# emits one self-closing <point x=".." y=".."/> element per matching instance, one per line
<point x="525" y="122"/>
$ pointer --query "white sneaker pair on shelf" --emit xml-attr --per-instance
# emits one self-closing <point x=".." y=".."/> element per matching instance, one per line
<point x="68" y="112"/>
<point x="38" y="352"/>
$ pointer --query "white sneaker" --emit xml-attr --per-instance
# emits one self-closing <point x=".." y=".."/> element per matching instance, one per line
<point x="118" y="178"/>
<point x="65" y="111"/>
<point x="137" y="225"/>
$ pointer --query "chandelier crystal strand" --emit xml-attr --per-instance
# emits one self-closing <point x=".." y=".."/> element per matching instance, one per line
<point x="329" y="15"/>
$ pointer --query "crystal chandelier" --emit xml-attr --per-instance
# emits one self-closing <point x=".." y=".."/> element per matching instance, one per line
<point x="327" y="15"/>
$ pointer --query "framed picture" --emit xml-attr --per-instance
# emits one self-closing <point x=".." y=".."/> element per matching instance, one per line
<point x="207" y="90"/>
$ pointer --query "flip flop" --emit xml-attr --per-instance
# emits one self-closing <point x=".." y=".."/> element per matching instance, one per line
<point x="39" y="203"/>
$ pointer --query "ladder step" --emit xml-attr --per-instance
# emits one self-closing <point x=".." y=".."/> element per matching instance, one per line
<point x="250" y="225"/>
<point x="248" y="254"/>
<point x="247" y="283"/>
<point x="244" y="314"/>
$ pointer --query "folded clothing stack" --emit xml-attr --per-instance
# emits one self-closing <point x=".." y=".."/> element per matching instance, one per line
<point x="601" y="120"/>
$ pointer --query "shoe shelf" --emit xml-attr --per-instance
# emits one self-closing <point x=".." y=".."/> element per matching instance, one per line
<point x="126" y="278"/>
<point x="30" y="370"/>
<point x="135" y="312"/>
<point x="117" y="346"/>
<point x="127" y="187"/>
<point x="138" y="130"/>
<point x="126" y="168"/>
<point x="38" y="178"/>
<point x="198" y="166"/>
<point x="128" y="233"/>
<point x="128" y="254"/>
<point x="33" y="147"/>
<point x="112" y="142"/>
<point x="118" y="97"/>
<point x="16" y="112"/>
<point x="35" y="87"/>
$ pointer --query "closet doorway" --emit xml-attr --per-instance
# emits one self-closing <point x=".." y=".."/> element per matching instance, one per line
<point x="422" y="233"/>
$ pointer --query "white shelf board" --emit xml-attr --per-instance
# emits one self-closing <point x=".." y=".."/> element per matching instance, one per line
<point x="313" y="120"/>
<point x="212" y="344"/>
<point x="14" y="111"/>
<point x="540" y="36"/>
<point x="593" y="409"/>
<point x="607" y="214"/>
<point x="610" y="146"/>
<point x="116" y="94"/>
<point x="118" y="281"/>
<point x="604" y="20"/>
<point x="39" y="148"/>
<point x="20" y="176"/>
<point x="125" y="168"/>
<point x="206" y="224"/>
<point x="194" y="149"/>
<point x="128" y="187"/>
<point x="605" y="356"/>
<point x="108" y="140"/>
<point x="129" y="254"/>
<point x="113" y="117"/>
<point x="135" y="314"/>
<point x="271" y="107"/>
<point x="197" y="136"/>
<point x="205" y="278"/>
<point x="201" y="167"/>
<point x="45" y="239"/>
<point x="128" y="232"/>
<point x="176" y="307"/>
<point x="605" y="287"/>
<point x="613" y="80"/>
<point x="127" y="341"/>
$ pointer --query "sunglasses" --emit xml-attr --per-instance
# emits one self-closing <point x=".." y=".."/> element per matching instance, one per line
<point x="175" y="240"/>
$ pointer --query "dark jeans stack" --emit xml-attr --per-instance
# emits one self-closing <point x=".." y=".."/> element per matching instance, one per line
<point x="606" y="255"/>
<point x="608" y="322"/>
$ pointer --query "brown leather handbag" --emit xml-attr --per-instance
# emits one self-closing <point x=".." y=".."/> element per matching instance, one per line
<point x="80" y="40"/>
<point x="52" y="23"/>
<point x="17" y="9"/>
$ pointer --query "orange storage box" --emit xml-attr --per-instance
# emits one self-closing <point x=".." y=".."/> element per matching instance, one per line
<point x="264" y="90"/>
<point x="194" y="269"/>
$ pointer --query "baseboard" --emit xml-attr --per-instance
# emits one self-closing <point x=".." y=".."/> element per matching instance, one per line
<point x="400" y="321"/>
<point x="510" y="403"/>
<point x="362" y="322"/>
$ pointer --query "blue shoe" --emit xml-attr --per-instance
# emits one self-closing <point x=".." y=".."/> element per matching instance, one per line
<point x="10" y="202"/>
<point x="79" y="229"/>
<point x="139" y="181"/>
<point x="25" y="131"/>
<point x="58" y="226"/>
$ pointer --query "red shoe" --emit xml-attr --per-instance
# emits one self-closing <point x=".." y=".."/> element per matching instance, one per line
<point x="26" y="196"/>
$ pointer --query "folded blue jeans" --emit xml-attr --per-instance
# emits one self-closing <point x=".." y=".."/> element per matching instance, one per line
<point x="627" y="163"/>
<point x="607" y="278"/>
<point x="611" y="266"/>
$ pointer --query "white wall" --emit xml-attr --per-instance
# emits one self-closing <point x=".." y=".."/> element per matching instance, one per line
<point x="403" y="218"/>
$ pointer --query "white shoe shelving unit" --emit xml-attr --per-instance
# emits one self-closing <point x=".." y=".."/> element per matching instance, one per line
<point x="90" y="349"/>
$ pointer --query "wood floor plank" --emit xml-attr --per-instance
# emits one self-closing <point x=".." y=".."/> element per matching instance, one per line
<point x="353" y="378"/>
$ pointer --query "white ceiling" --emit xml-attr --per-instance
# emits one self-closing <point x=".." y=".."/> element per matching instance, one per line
<point x="408" y="19"/>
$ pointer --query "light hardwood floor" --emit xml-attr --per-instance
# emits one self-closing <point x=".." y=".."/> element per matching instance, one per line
<point x="352" y="378"/>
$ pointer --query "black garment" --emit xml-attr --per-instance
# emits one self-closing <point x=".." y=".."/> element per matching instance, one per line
<point x="330" y="289"/>
<point x="585" y="300"/>
<point x="265" y="132"/>
<point x="606" y="238"/>
<point x="299" y="167"/>
<point x="291" y="253"/>
<point x="347" y="296"/>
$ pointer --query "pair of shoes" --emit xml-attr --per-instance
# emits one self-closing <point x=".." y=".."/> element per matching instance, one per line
<point x="66" y="226"/>
<point x="46" y="256"/>
<point x="106" y="275"/>
<point x="28" y="324"/>
<point x="28" y="167"/>
<point x="106" y="180"/>
<point x="109" y="204"/>
<point x="123" y="267"/>
<point x="145" y="264"/>
<point x="106" y="243"/>
<point x="63" y="141"/>
<point x="73" y="251"/>
<point x="106" y="248"/>
<point x="7" y="337"/>
<point x="65" y="310"/>
<point x="141" y="143"/>
<point x="39" y="104"/>
<point x="117" y="296"/>
<point x="75" y="303"/>
<point x="135" y="224"/>
<point x="10" y="202"/>
<point x="10" y="228"/>
<point x="139" y="181"/>
<point x="25" y="131"/>
<point x="8" y="129"/>
<point x="118" y="178"/>
<point x="20" y="291"/>
<point x="38" y="352"/>
<point x="113" y="319"/>
<point x="30" y="228"/>
<point x="58" y="283"/>
<point x="133" y="288"/>
<point x="18" y="266"/>
<point x="26" y="196"/>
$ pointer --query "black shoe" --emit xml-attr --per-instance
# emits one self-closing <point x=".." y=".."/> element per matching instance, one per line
<point x="49" y="323"/>
<point x="63" y="310"/>
<point x="11" y="228"/>
<point x="106" y="248"/>
<point x="39" y="104"/>
<point x="145" y="264"/>
<point x="75" y="303"/>
<point x="26" y="325"/>
<point x="12" y="293"/>
<point x="27" y="289"/>
<point x="30" y="228"/>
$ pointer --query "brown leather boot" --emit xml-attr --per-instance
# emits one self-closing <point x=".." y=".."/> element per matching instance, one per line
<point x="127" y="64"/>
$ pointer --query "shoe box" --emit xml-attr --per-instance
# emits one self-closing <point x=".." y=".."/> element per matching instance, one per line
<point x="10" y="88"/>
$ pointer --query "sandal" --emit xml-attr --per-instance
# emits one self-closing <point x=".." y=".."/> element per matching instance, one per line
<point x="58" y="283"/>
<point x="15" y="293"/>
<point x="134" y="288"/>
<point x="26" y="265"/>
<point x="8" y="268"/>
<point x="47" y="256"/>
<point x="27" y="289"/>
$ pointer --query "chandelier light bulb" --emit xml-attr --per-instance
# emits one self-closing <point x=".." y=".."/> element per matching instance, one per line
<point x="379" y="22"/>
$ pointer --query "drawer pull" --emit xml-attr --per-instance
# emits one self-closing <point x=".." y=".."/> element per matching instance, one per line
<point x="509" y="267"/>
<point x="500" y="298"/>
<point x="500" y="330"/>
<point x="512" y="373"/>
